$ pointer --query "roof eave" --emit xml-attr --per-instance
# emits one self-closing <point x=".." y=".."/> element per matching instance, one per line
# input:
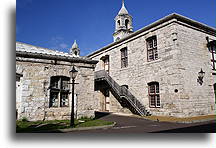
<point x="54" y="57"/>
<point x="189" y="21"/>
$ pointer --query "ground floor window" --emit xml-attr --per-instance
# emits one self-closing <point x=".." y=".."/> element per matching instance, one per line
<point x="154" y="95"/>
<point x="59" y="91"/>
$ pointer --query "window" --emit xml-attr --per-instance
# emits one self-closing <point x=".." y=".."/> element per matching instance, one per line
<point x="59" y="91"/>
<point x="118" y="38"/>
<point x="127" y="23"/>
<point x="75" y="53"/>
<point x="124" y="58"/>
<point x="152" y="52"/>
<point x="118" y="22"/>
<point x="212" y="48"/>
<point x="154" y="95"/>
<point x="215" y="92"/>
<point x="106" y="64"/>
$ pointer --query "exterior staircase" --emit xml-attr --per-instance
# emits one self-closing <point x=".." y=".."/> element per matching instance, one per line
<point x="121" y="93"/>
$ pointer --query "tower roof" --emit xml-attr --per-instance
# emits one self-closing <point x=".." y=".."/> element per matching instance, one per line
<point x="74" y="45"/>
<point x="123" y="10"/>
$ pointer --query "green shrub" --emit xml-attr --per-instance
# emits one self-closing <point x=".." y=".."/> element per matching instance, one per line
<point x="24" y="119"/>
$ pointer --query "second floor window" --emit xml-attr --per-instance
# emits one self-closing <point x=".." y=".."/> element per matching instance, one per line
<point x="212" y="48"/>
<point x="59" y="91"/>
<point x="124" y="57"/>
<point x="152" y="52"/>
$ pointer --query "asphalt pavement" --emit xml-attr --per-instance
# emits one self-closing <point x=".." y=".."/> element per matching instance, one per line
<point x="129" y="124"/>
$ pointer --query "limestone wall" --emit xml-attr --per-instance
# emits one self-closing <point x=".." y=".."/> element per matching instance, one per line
<point x="35" y="89"/>
<point x="199" y="99"/>
<point x="171" y="70"/>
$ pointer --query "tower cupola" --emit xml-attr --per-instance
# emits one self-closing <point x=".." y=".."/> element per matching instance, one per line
<point x="74" y="50"/>
<point x="123" y="24"/>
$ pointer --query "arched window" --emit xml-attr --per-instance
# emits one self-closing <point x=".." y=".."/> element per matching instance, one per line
<point x="118" y="38"/>
<point x="127" y="23"/>
<point x="75" y="52"/>
<point x="59" y="91"/>
<point x="118" y="22"/>
<point x="154" y="94"/>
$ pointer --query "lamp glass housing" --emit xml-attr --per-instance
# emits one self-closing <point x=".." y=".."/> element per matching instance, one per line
<point x="73" y="73"/>
<point x="201" y="74"/>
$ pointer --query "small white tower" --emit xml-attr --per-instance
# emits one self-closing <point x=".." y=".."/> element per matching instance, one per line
<point x="123" y="24"/>
<point x="74" y="50"/>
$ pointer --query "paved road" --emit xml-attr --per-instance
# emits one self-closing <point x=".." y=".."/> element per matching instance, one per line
<point x="127" y="124"/>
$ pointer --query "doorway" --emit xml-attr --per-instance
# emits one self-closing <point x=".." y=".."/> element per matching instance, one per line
<point x="106" y="94"/>
<point x="105" y="60"/>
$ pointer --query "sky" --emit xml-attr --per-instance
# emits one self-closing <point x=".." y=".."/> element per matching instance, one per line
<point x="55" y="24"/>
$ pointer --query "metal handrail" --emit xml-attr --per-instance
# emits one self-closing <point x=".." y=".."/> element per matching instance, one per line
<point x="121" y="91"/>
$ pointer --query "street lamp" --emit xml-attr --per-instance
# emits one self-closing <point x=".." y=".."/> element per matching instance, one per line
<point x="73" y="74"/>
<point x="201" y="74"/>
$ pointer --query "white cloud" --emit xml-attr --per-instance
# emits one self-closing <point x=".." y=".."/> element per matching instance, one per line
<point x="58" y="43"/>
<point x="63" y="45"/>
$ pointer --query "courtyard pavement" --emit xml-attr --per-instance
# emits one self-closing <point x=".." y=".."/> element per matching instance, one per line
<point x="128" y="124"/>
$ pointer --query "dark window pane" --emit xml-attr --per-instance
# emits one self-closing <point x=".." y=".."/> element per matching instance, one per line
<point x="55" y="82"/>
<point x="152" y="89"/>
<point x="157" y="88"/>
<point x="65" y="85"/>
<point x="54" y="99"/>
<point x="64" y="99"/>
<point x="155" y="42"/>
<point x="158" y="100"/>
<point x="152" y="100"/>
<point x="124" y="59"/>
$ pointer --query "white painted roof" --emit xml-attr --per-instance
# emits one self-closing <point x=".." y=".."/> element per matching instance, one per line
<point x="23" y="47"/>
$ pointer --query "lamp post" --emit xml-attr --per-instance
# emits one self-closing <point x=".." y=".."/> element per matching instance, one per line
<point x="73" y="74"/>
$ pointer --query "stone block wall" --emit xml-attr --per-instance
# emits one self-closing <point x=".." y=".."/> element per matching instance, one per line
<point x="200" y="99"/>
<point x="171" y="70"/>
<point x="140" y="72"/>
<point x="35" y="89"/>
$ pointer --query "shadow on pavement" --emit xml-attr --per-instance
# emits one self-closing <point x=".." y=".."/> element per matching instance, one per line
<point x="101" y="114"/>
<point x="207" y="128"/>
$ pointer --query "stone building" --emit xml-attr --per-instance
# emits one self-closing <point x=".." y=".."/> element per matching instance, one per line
<point x="42" y="88"/>
<point x="155" y="70"/>
<point x="166" y="68"/>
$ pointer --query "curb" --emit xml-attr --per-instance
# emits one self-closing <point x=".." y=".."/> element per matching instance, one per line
<point x="79" y="129"/>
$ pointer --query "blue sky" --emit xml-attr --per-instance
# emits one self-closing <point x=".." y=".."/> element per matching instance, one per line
<point x="56" y="24"/>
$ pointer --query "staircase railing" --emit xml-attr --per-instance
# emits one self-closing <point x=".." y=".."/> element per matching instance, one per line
<point x="122" y="92"/>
